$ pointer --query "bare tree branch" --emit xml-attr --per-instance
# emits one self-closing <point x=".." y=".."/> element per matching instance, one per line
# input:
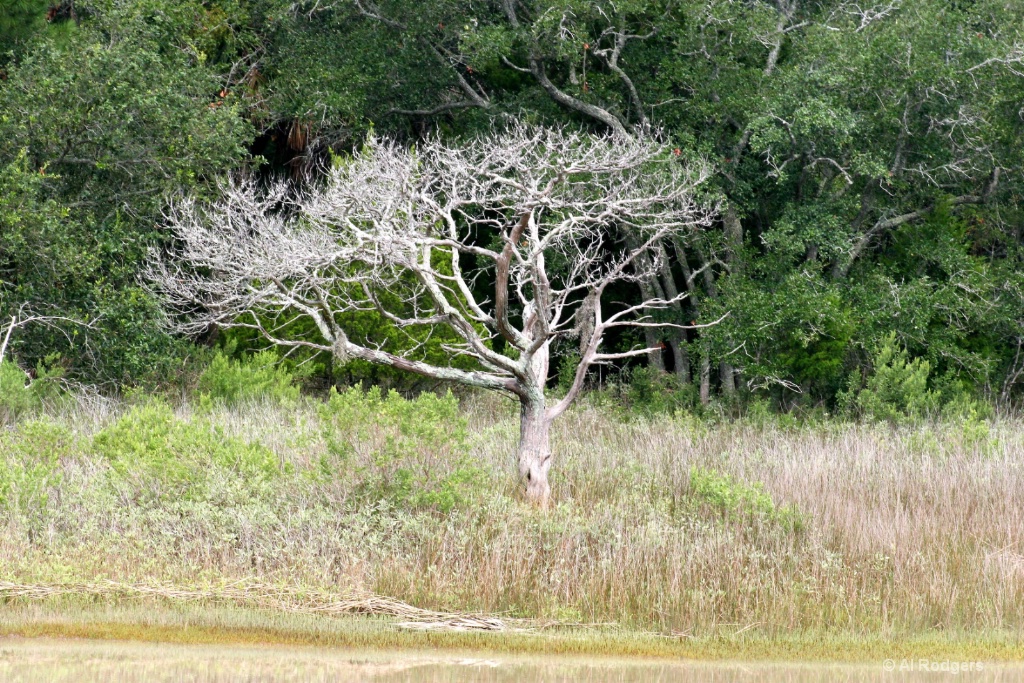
<point x="24" y="317"/>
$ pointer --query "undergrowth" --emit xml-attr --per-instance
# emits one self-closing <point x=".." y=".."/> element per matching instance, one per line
<point x="663" y="521"/>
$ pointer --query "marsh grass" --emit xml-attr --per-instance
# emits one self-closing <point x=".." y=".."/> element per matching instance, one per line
<point x="840" y="530"/>
<point x="217" y="624"/>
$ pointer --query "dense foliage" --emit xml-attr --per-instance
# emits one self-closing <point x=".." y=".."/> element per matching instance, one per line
<point x="868" y="159"/>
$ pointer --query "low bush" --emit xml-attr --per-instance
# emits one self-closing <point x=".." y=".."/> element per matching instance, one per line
<point x="260" y="376"/>
<point x="161" y="456"/>
<point x="29" y="459"/>
<point x="734" y="500"/>
<point x="15" y="394"/>
<point x="19" y="394"/>
<point x="897" y="390"/>
<point x="647" y="391"/>
<point x="902" y="389"/>
<point x="411" y="452"/>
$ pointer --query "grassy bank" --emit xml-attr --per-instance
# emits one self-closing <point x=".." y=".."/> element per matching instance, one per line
<point x="827" y="533"/>
<point x="150" y="621"/>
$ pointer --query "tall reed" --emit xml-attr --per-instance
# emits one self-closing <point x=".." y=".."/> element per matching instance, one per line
<point x="886" y="530"/>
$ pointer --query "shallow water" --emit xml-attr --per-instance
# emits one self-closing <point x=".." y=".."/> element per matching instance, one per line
<point x="32" y="660"/>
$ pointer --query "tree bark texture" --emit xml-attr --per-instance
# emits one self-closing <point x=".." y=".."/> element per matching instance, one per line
<point x="535" y="449"/>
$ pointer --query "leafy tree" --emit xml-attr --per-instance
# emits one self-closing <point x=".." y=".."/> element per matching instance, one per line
<point x="867" y="158"/>
<point x="95" y="134"/>
<point x="831" y="127"/>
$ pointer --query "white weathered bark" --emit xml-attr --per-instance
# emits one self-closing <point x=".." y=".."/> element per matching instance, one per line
<point x="7" y="337"/>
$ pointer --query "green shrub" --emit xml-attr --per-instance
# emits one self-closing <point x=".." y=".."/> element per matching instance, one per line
<point x="567" y="365"/>
<point x="259" y="377"/>
<point x="161" y="455"/>
<point x="959" y="403"/>
<point x="732" y="499"/>
<point x="19" y="395"/>
<point x="29" y="467"/>
<point x="647" y="391"/>
<point x="412" y="452"/>
<point x="901" y="389"/>
<point x="896" y="391"/>
<point x="16" y="397"/>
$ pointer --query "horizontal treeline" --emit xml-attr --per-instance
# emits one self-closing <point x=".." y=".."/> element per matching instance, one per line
<point x="867" y="162"/>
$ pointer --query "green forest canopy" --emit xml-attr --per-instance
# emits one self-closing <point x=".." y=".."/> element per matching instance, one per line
<point x="868" y="158"/>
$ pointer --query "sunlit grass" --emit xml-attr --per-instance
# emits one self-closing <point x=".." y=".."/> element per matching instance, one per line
<point x="150" y="621"/>
<point x="887" y="533"/>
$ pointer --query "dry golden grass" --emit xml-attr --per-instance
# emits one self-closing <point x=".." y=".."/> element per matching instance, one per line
<point x="904" y="532"/>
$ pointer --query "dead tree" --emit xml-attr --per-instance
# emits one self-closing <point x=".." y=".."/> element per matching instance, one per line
<point x="410" y="233"/>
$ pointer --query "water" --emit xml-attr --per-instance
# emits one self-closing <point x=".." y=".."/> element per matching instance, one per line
<point x="31" y="660"/>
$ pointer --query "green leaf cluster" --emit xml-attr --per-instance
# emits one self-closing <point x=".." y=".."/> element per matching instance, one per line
<point x="260" y="377"/>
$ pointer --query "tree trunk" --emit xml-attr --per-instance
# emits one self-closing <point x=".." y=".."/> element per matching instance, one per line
<point x="681" y="357"/>
<point x="650" y="289"/>
<point x="727" y="375"/>
<point x="734" y="247"/>
<point x="733" y="229"/>
<point x="535" y="450"/>
<point x="705" y="379"/>
<point x="676" y="341"/>
<point x="654" y="357"/>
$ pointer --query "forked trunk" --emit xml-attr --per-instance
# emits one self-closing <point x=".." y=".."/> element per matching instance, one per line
<point x="535" y="450"/>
